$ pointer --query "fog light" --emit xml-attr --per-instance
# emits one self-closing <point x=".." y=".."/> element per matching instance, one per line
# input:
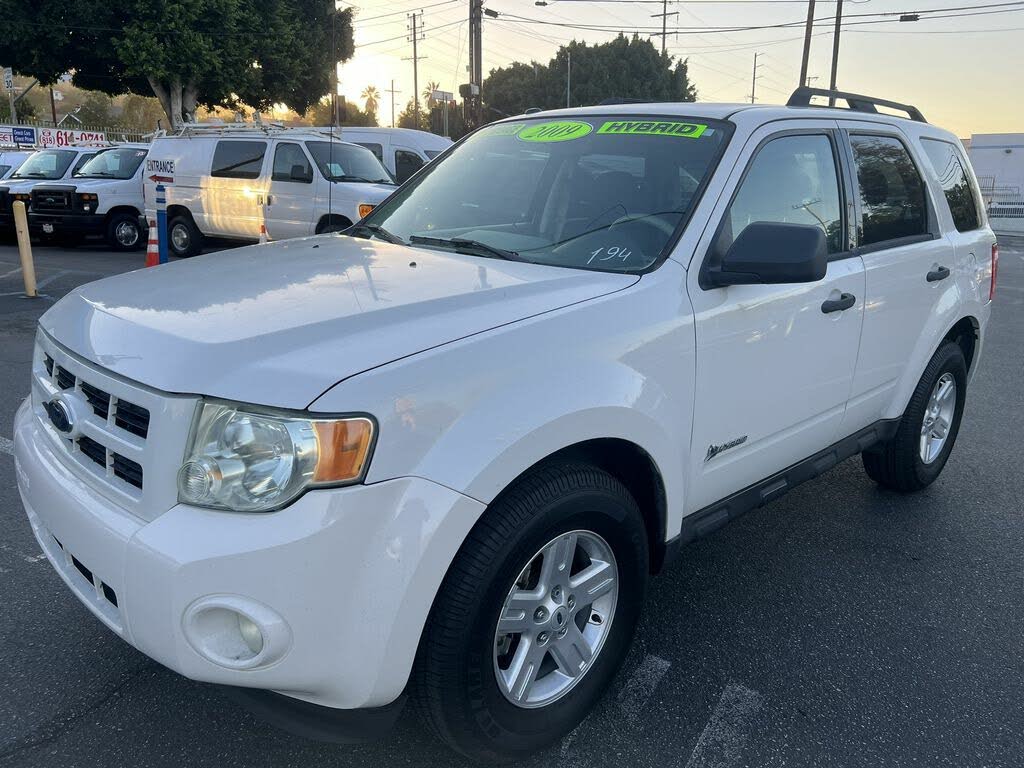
<point x="251" y="634"/>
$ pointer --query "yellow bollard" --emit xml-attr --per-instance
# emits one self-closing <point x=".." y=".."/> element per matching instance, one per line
<point x="28" y="268"/>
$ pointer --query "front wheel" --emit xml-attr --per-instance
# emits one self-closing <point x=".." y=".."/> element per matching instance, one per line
<point x="916" y="454"/>
<point x="124" y="232"/>
<point x="535" y="615"/>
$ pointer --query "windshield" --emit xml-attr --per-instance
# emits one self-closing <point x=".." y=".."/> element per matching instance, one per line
<point x="347" y="162"/>
<point x="4" y="169"/>
<point x="604" y="193"/>
<point x="46" y="164"/>
<point x="113" y="164"/>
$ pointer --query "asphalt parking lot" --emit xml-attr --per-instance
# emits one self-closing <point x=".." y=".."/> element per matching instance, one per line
<point x="842" y="625"/>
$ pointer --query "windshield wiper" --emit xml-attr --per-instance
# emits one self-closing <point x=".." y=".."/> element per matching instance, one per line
<point x="360" y="179"/>
<point x="95" y="175"/>
<point x="462" y="244"/>
<point x="379" y="231"/>
<point x="31" y="175"/>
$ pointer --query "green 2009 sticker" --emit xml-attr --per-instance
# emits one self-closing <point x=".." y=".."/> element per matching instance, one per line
<point x="559" y="130"/>
<point x="654" y="128"/>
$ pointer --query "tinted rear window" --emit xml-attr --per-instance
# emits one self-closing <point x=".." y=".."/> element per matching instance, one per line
<point x="238" y="159"/>
<point x="956" y="185"/>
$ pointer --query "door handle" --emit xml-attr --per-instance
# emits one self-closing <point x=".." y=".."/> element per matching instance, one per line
<point x="845" y="301"/>
<point x="939" y="273"/>
<point x="270" y="200"/>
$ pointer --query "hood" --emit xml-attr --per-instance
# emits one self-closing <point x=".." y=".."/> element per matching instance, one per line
<point x="14" y="186"/>
<point x="374" y="193"/>
<point x="278" y="324"/>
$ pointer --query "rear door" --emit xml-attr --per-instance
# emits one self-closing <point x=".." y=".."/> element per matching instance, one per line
<point x="289" y="205"/>
<point x="774" y="362"/>
<point x="236" y="189"/>
<point x="907" y="264"/>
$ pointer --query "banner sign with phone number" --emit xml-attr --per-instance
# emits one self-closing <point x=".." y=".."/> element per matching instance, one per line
<point x="47" y="138"/>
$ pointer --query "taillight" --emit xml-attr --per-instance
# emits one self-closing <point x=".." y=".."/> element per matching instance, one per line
<point x="995" y="269"/>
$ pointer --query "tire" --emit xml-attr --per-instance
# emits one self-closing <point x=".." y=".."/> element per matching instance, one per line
<point x="124" y="233"/>
<point x="334" y="225"/>
<point x="900" y="463"/>
<point x="183" y="237"/>
<point x="456" y="679"/>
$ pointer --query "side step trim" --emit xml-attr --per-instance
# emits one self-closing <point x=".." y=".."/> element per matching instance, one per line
<point x="712" y="517"/>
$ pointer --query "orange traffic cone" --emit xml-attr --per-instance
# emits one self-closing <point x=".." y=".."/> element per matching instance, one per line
<point x="263" y="233"/>
<point x="153" y="249"/>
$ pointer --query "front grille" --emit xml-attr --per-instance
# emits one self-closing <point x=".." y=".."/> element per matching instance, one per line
<point x="50" y="200"/>
<point x="126" y="439"/>
<point x="5" y="201"/>
<point x="105" y="589"/>
<point x="128" y="416"/>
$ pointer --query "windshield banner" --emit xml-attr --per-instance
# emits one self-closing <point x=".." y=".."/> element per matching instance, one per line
<point x="649" y="128"/>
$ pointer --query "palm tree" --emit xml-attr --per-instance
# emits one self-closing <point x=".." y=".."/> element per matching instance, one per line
<point x="428" y="93"/>
<point x="372" y="96"/>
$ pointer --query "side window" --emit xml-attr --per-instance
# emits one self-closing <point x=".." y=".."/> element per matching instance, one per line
<point x="377" y="149"/>
<point x="792" y="179"/>
<point x="891" y="191"/>
<point x="291" y="164"/>
<point x="406" y="164"/>
<point x="949" y="170"/>
<point x="238" y="159"/>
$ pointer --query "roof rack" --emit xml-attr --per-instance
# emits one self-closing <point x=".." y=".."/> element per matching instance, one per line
<point x="198" y="129"/>
<point x="802" y="98"/>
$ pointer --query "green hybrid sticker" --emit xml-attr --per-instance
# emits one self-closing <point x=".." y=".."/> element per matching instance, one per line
<point x="648" y="128"/>
<point x="559" y="130"/>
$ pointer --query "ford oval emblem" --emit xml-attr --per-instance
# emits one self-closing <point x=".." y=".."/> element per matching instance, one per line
<point x="60" y="415"/>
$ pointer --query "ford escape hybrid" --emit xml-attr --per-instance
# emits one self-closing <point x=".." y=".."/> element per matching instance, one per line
<point x="439" y="456"/>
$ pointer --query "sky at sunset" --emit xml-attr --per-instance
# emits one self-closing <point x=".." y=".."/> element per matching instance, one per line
<point x="965" y="72"/>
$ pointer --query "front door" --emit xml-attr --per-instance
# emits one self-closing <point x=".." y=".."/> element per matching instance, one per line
<point x="289" y="204"/>
<point x="774" y="362"/>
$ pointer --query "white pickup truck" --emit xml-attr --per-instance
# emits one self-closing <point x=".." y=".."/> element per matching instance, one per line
<point x="442" y="455"/>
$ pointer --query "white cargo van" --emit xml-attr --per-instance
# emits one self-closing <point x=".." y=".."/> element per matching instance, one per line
<point x="43" y="166"/>
<point x="231" y="181"/>
<point x="11" y="160"/>
<point x="403" y="151"/>
<point x="102" y="199"/>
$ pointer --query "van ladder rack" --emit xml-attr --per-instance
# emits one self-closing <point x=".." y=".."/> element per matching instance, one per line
<point x="802" y="98"/>
<point x="198" y="129"/>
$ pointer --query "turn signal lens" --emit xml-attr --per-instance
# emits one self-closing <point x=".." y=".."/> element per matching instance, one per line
<point x="364" y="210"/>
<point x="995" y="269"/>
<point x="344" y="446"/>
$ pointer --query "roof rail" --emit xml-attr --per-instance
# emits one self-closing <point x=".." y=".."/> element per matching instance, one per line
<point x="802" y="98"/>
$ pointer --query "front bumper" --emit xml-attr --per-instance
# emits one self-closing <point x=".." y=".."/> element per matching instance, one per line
<point x="351" y="573"/>
<point x="73" y="224"/>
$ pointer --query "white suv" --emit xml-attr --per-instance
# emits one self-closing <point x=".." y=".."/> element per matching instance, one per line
<point x="445" y="453"/>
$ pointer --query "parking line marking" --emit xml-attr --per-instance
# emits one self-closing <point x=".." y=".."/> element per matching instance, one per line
<point x="640" y="687"/>
<point x="6" y="446"/>
<point x="51" y="278"/>
<point x="721" y="742"/>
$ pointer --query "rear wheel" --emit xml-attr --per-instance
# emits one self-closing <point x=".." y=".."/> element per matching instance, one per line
<point x="184" y="238"/>
<point x="535" y="615"/>
<point x="124" y="232"/>
<point x="916" y="454"/>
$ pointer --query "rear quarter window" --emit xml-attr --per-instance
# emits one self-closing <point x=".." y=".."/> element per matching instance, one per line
<point x="961" y="196"/>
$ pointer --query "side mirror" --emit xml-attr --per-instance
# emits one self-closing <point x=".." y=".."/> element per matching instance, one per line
<point x="300" y="173"/>
<point x="771" y="252"/>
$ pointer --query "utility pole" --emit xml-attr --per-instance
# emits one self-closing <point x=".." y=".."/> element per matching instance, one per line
<point x="835" y="51"/>
<point x="392" y="91"/>
<point x="568" y="77"/>
<point x="476" y="69"/>
<point x="807" y="42"/>
<point x="664" y="22"/>
<point x="416" y="34"/>
<point x="753" y="80"/>
<point x="53" y="107"/>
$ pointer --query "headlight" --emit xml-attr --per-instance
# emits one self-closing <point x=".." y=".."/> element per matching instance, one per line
<point x="246" y="460"/>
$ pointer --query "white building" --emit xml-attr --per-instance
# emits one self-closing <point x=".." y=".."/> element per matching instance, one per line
<point x="998" y="160"/>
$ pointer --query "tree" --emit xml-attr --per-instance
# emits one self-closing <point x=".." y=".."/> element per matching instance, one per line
<point x="142" y="112"/>
<point x="626" y="67"/>
<point x="407" y="117"/>
<point x="371" y="98"/>
<point x="95" y="109"/>
<point x="320" y="114"/>
<point x="185" y="52"/>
